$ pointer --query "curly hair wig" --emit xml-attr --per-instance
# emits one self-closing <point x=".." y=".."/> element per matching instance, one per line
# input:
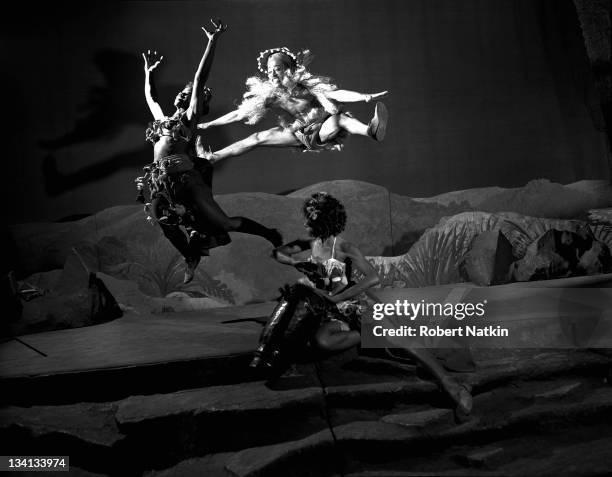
<point x="325" y="215"/>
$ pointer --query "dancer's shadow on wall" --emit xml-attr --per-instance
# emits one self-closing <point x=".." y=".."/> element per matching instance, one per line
<point x="109" y="107"/>
<point x="112" y="124"/>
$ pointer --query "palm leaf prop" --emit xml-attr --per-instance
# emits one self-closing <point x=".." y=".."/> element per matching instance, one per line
<point x="156" y="268"/>
<point x="434" y="258"/>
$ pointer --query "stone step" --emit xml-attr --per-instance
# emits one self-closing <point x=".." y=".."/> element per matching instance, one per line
<point x="109" y="384"/>
<point x="78" y="472"/>
<point x="430" y="419"/>
<point x="388" y="441"/>
<point x="573" y="451"/>
<point x="404" y="429"/>
<point x="212" y="465"/>
<point x="87" y="432"/>
<point x="580" y="459"/>
<point x="163" y="429"/>
<point x="392" y="446"/>
<point x="314" y="455"/>
<point x="437" y="473"/>
<point x="541" y="364"/>
<point x="487" y="457"/>
<point x="524" y="365"/>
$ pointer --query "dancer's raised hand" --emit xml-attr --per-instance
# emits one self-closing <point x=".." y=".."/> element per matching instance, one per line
<point x="219" y="27"/>
<point x="151" y="60"/>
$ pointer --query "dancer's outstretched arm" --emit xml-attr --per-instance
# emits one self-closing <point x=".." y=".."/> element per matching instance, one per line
<point x="346" y="96"/>
<point x="231" y="117"/>
<point x="152" y="61"/>
<point x="370" y="278"/>
<point x="283" y="254"/>
<point x="203" y="70"/>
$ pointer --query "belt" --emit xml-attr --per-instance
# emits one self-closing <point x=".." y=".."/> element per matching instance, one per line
<point x="175" y="163"/>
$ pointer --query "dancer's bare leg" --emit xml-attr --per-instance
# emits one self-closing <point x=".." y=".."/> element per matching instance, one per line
<point x="332" y="337"/>
<point x="341" y="122"/>
<point x="275" y="137"/>
<point x="457" y="392"/>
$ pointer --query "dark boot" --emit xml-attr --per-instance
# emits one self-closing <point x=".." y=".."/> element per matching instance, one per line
<point x="271" y="336"/>
<point x="377" y="128"/>
<point x="292" y="325"/>
<point x="190" y="267"/>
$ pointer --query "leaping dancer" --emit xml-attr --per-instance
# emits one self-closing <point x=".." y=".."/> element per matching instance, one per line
<point x="176" y="179"/>
<point x="313" y="119"/>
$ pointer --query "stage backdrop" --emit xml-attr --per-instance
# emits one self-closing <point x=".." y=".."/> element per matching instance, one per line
<point x="492" y="92"/>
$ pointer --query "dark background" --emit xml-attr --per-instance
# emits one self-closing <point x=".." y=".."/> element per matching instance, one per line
<point x="483" y="92"/>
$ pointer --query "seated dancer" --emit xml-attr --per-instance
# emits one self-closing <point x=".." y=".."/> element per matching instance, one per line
<point x="313" y="119"/>
<point x="322" y="312"/>
<point x="177" y="181"/>
<point x="324" y="307"/>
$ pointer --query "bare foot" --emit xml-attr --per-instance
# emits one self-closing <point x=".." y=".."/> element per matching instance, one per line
<point x="461" y="396"/>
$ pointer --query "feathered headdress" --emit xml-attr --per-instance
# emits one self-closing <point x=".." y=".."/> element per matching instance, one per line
<point x="298" y="60"/>
<point x="260" y="91"/>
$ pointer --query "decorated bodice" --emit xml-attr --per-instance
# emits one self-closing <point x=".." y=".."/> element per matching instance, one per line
<point x="173" y="127"/>
<point x="335" y="270"/>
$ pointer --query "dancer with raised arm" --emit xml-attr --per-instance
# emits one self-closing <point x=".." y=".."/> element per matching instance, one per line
<point x="313" y="119"/>
<point x="323" y="311"/>
<point x="180" y="193"/>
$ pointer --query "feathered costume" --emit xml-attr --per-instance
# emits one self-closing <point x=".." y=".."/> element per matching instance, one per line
<point x="262" y="94"/>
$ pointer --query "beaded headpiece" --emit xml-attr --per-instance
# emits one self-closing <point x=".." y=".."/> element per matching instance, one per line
<point x="312" y="208"/>
<point x="311" y="212"/>
<point x="262" y="59"/>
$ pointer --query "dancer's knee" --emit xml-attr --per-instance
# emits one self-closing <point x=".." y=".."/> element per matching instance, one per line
<point x="335" y="120"/>
<point x="329" y="334"/>
<point x="330" y="128"/>
<point x="223" y="224"/>
<point x="326" y="337"/>
<point x="323" y="341"/>
<point x="220" y="224"/>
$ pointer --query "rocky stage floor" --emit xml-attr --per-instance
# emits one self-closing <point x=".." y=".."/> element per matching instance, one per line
<point x="173" y="395"/>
